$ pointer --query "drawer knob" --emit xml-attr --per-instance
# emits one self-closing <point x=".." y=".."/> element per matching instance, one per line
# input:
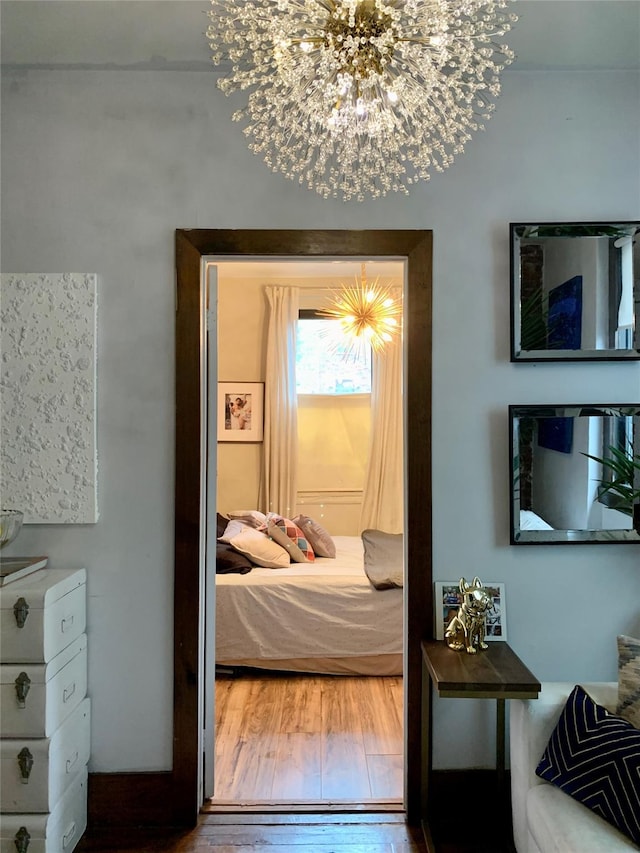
<point x="21" y="611"/>
<point x="23" y="683"/>
<point x="25" y="762"/>
<point x="22" y="839"/>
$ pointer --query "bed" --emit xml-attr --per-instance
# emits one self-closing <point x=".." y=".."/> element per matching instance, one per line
<point x="530" y="520"/>
<point x="322" y="617"/>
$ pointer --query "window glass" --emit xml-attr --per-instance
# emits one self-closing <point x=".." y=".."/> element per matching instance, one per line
<point x="326" y="363"/>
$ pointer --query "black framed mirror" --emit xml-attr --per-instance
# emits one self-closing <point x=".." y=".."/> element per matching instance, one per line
<point x="575" y="473"/>
<point x="575" y="291"/>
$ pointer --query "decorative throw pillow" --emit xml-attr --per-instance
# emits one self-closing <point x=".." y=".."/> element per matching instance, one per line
<point x="229" y="561"/>
<point x="233" y="528"/>
<point x="250" y="517"/>
<point x="594" y="756"/>
<point x="255" y="545"/>
<point x="383" y="558"/>
<point x="629" y="679"/>
<point x="321" y="542"/>
<point x="289" y="536"/>
<point x="221" y="524"/>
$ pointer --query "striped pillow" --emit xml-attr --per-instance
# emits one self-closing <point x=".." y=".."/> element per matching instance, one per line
<point x="594" y="756"/>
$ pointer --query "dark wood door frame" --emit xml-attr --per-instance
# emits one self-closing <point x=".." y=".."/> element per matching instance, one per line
<point x="191" y="247"/>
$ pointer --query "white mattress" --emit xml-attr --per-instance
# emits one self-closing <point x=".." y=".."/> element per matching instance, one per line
<point x="325" y="609"/>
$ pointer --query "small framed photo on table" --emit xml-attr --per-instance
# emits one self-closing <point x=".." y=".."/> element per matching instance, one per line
<point x="241" y="411"/>
<point x="448" y="599"/>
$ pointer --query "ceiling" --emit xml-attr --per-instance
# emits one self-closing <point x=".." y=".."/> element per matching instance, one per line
<point x="170" y="34"/>
<point x="338" y="272"/>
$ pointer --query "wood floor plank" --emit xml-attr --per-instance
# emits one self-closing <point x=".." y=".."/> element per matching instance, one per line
<point x="385" y="775"/>
<point x="381" y="725"/>
<point x="266" y="833"/>
<point x="299" y="766"/>
<point x="234" y="695"/>
<point x="312" y="835"/>
<point x="302" y="709"/>
<point x="344" y="763"/>
<point x="248" y="769"/>
<point x="316" y="806"/>
<point x="305" y="819"/>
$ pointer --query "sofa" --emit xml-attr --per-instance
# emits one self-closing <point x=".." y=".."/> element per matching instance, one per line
<point x="546" y="819"/>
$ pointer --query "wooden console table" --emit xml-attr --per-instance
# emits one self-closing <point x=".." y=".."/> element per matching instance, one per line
<point x="497" y="673"/>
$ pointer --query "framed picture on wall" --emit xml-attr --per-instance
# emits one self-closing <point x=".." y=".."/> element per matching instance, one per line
<point x="240" y="411"/>
<point x="448" y="599"/>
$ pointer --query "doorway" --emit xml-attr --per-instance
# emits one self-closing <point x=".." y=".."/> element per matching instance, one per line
<point x="191" y="247"/>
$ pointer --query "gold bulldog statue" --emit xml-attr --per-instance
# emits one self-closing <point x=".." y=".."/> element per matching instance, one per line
<point x="466" y="630"/>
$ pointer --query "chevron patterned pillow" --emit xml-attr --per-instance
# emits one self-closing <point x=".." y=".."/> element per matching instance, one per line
<point x="594" y="756"/>
<point x="629" y="679"/>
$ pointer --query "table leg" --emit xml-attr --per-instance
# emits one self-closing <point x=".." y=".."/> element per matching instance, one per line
<point x="426" y="742"/>
<point x="426" y="757"/>
<point x="500" y="743"/>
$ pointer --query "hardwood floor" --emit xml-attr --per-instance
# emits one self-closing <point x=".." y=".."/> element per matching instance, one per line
<point x="308" y="739"/>
<point x="313" y="763"/>
<point x="267" y="833"/>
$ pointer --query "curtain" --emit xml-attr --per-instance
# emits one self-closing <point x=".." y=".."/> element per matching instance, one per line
<point x="383" y="497"/>
<point x="278" y="486"/>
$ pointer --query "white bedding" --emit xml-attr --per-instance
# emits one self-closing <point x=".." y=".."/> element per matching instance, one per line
<point x="530" y="520"/>
<point x="308" y="611"/>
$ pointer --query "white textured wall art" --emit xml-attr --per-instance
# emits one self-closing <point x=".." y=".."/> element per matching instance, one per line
<point x="48" y="397"/>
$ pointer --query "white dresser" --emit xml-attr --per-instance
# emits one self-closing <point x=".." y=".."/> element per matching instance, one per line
<point x="45" y="714"/>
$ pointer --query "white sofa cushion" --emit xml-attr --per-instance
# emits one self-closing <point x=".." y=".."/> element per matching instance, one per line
<point x="594" y="756"/>
<point x="560" y="824"/>
<point x="531" y="723"/>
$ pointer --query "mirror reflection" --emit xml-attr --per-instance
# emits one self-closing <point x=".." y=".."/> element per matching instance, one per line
<point x="575" y="291"/>
<point x="575" y="473"/>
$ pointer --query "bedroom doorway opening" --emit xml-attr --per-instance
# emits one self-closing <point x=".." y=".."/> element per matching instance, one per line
<point x="192" y="247"/>
<point x="307" y="723"/>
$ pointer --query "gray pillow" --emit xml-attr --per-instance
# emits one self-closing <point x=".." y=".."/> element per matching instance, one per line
<point x="321" y="542"/>
<point x="383" y="558"/>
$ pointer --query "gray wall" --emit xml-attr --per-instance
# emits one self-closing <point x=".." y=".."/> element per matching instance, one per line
<point x="100" y="167"/>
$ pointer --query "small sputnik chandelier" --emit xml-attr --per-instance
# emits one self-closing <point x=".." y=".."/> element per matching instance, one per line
<point x="358" y="98"/>
<point x="368" y="313"/>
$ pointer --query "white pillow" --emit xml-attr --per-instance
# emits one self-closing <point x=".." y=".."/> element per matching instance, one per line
<point x="255" y="545"/>
<point x="252" y="517"/>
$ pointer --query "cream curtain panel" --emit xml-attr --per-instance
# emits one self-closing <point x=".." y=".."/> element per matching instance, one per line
<point x="279" y="485"/>
<point x="383" y="497"/>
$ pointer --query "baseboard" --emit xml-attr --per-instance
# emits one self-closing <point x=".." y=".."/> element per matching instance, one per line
<point x="130" y="799"/>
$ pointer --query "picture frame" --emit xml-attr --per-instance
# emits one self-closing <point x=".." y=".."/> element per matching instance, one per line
<point x="240" y="412"/>
<point x="448" y="598"/>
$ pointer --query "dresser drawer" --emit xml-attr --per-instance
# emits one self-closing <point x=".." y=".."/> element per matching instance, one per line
<point x="56" y="832"/>
<point x="41" y="614"/>
<point x="35" y="773"/>
<point x="37" y="698"/>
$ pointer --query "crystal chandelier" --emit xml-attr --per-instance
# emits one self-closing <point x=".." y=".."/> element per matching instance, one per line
<point x="358" y="98"/>
<point x="368" y="314"/>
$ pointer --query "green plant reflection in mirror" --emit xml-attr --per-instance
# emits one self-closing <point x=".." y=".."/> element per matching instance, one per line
<point x="575" y="473"/>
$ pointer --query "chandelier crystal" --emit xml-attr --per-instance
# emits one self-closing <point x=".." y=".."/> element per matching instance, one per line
<point x="357" y="98"/>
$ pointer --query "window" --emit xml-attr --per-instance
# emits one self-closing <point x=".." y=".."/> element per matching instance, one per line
<point x="618" y="465"/>
<point x="325" y="364"/>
